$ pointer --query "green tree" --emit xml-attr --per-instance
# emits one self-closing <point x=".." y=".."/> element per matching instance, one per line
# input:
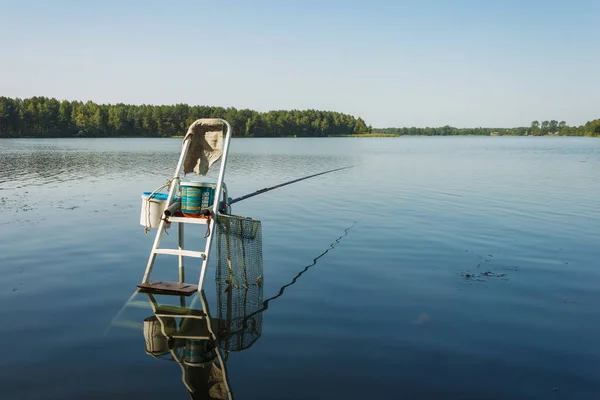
<point x="592" y="128"/>
<point x="553" y="126"/>
<point x="65" y="120"/>
<point x="562" y="127"/>
<point x="9" y="117"/>
<point x="117" y="118"/>
<point x="535" y="128"/>
<point x="545" y="127"/>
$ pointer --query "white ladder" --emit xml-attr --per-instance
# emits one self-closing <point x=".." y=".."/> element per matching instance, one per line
<point x="220" y="195"/>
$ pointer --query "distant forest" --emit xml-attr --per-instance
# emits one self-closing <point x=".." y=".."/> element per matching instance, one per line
<point x="43" y="117"/>
<point x="553" y="127"/>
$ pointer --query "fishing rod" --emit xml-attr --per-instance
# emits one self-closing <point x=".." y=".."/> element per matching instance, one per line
<point x="261" y="191"/>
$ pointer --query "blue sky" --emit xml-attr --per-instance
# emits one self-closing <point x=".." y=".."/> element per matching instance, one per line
<point x="395" y="63"/>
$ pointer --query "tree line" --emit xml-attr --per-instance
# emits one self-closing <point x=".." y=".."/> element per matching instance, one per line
<point x="449" y="131"/>
<point x="43" y="117"/>
<point x="553" y="127"/>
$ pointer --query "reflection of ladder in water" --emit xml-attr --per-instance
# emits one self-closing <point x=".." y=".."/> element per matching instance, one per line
<point x="191" y="342"/>
<point x="220" y="194"/>
<point x="195" y="327"/>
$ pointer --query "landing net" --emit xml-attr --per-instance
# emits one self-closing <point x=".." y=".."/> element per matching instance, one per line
<point x="239" y="280"/>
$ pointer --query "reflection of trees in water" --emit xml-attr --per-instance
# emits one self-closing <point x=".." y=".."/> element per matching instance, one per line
<point x="40" y="168"/>
<point x="45" y="165"/>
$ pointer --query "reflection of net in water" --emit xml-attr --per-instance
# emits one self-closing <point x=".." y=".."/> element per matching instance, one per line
<point x="239" y="280"/>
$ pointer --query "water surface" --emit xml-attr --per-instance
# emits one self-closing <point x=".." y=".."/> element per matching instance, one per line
<point x="467" y="268"/>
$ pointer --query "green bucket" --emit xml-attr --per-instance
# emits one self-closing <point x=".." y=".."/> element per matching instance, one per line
<point x="196" y="196"/>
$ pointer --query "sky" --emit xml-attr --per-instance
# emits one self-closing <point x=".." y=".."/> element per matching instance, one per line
<point x="397" y="63"/>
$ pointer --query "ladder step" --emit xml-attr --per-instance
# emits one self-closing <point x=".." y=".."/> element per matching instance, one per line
<point x="185" y="253"/>
<point x="169" y="288"/>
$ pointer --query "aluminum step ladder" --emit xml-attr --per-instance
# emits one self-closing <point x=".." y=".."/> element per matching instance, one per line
<point x="220" y="197"/>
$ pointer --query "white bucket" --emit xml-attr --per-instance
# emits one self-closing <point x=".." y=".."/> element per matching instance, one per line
<point x="153" y="209"/>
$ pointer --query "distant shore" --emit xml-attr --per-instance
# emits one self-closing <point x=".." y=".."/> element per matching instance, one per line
<point x="358" y="135"/>
<point x="43" y="117"/>
<point x="368" y="135"/>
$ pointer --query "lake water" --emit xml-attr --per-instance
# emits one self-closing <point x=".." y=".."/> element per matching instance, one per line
<point x="464" y="268"/>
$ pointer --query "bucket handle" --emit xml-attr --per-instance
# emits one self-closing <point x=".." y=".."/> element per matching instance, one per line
<point x="166" y="185"/>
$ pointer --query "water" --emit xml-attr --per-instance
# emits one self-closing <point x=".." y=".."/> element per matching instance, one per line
<point x="468" y="269"/>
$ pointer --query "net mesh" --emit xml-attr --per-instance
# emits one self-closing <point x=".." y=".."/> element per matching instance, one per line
<point x="239" y="280"/>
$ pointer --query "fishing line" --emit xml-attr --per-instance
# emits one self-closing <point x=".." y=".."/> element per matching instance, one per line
<point x="265" y="305"/>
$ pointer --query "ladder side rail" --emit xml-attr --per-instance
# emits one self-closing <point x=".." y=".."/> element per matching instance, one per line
<point x="172" y="349"/>
<point x="206" y="310"/>
<point x="219" y="188"/>
<point x="174" y="186"/>
<point x="217" y="200"/>
<point x="180" y="256"/>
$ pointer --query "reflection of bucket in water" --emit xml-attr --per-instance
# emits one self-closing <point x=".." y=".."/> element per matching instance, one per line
<point x="156" y="343"/>
<point x="199" y="353"/>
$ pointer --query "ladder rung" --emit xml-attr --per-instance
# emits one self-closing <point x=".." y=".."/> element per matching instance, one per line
<point x="188" y="220"/>
<point x="179" y="335"/>
<point x="167" y="310"/>
<point x="185" y="253"/>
